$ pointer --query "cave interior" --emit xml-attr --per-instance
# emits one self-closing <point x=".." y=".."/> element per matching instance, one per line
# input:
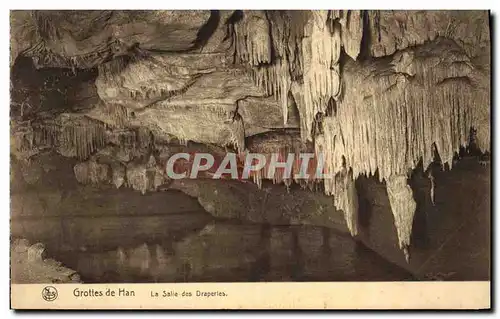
<point x="399" y="101"/>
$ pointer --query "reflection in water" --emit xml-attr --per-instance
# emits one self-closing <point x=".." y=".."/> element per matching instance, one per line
<point x="188" y="247"/>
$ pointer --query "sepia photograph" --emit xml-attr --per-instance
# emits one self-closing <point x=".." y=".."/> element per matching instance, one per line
<point x="216" y="147"/>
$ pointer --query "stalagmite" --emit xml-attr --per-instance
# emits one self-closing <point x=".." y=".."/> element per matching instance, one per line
<point x="403" y="209"/>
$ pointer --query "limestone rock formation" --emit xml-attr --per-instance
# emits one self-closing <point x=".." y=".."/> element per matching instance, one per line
<point x="375" y="92"/>
<point x="28" y="265"/>
<point x="86" y="39"/>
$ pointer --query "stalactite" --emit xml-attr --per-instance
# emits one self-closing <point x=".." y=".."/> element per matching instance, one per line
<point x="257" y="178"/>
<point x="137" y="177"/>
<point x="82" y="137"/>
<point x="143" y="138"/>
<point x="433" y="185"/>
<point x="352" y="32"/>
<point x="116" y="115"/>
<point x="90" y="172"/>
<point x="275" y="80"/>
<point x="336" y="41"/>
<point x="318" y="55"/>
<point x="155" y="175"/>
<point x="22" y="142"/>
<point x="312" y="46"/>
<point x="394" y="114"/>
<point x="391" y="116"/>
<point x="78" y="137"/>
<point x="182" y="140"/>
<point x="119" y="174"/>
<point x="403" y="209"/>
<point x="338" y="180"/>
<point x="159" y="178"/>
<point x="274" y="77"/>
<point x="238" y="133"/>
<point x="346" y="199"/>
<point x="321" y="70"/>
<point x="315" y="50"/>
<point x="253" y="43"/>
<point x="298" y="97"/>
<point x="330" y="146"/>
<point x="282" y="149"/>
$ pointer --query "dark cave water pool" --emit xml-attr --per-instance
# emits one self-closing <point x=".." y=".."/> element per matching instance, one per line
<point x="193" y="247"/>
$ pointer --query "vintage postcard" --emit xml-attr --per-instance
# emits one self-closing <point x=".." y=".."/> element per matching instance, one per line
<point x="250" y="159"/>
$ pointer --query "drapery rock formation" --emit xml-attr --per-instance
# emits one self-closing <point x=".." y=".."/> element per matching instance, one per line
<point x="376" y="92"/>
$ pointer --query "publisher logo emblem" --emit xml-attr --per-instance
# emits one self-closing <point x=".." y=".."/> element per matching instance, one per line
<point x="49" y="293"/>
